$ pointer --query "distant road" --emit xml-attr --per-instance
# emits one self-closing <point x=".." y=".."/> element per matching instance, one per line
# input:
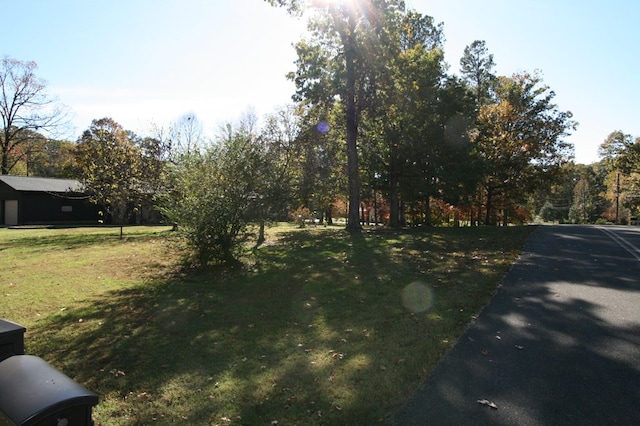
<point x="558" y="345"/>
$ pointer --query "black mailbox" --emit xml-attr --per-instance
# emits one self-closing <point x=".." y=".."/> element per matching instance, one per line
<point x="11" y="339"/>
<point x="32" y="393"/>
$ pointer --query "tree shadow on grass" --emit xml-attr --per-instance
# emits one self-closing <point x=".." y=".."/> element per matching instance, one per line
<point x="314" y="332"/>
<point x="71" y="241"/>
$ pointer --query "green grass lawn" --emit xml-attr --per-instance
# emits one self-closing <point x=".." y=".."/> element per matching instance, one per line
<point x="320" y="327"/>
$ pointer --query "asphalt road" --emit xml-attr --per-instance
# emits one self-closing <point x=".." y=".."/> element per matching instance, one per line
<point x="558" y="345"/>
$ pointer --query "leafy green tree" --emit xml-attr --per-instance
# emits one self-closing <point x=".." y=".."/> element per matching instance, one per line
<point x="26" y="110"/>
<point x="30" y="152"/>
<point x="476" y="67"/>
<point x="212" y="195"/>
<point x="597" y="176"/>
<point x="548" y="212"/>
<point x="460" y="171"/>
<point x="583" y="206"/>
<point x="346" y="44"/>
<point x="279" y="169"/>
<point x="620" y="154"/>
<point x="559" y="201"/>
<point x="43" y="157"/>
<point x="119" y="170"/>
<point x="628" y="191"/>
<point x="620" y="151"/>
<point x="418" y="140"/>
<point x="403" y="121"/>
<point x="519" y="140"/>
<point x="48" y="158"/>
<point x="615" y="148"/>
<point x="324" y="174"/>
<point x="553" y="203"/>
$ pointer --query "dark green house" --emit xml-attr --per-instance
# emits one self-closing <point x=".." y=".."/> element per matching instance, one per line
<point x="35" y="200"/>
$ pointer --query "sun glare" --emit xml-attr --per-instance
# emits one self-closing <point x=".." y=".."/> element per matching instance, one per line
<point x="357" y="7"/>
<point x="326" y="3"/>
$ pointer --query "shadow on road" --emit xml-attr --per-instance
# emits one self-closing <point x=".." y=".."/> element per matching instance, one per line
<point x="559" y="344"/>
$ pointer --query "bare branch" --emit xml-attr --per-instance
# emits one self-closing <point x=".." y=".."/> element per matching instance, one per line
<point x="26" y="107"/>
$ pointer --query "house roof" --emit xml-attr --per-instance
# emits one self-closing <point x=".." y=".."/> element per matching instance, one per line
<point x="39" y="184"/>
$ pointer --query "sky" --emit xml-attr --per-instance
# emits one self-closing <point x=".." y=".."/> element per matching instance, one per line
<point x="145" y="63"/>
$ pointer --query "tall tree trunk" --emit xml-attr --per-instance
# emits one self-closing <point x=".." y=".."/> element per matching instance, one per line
<point x="394" y="196"/>
<point x="327" y="215"/>
<point x="353" y="223"/>
<point x="394" y="203"/>
<point x="376" y="219"/>
<point x="488" y="219"/>
<point x="261" y="232"/>
<point x="5" y="162"/>
<point x="347" y="32"/>
<point x="471" y="218"/>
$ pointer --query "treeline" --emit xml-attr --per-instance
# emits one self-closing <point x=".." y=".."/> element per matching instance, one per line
<point x="604" y="192"/>
<point x="607" y="191"/>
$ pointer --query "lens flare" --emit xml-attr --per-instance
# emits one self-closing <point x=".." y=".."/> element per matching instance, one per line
<point x="417" y="297"/>
<point x="323" y="127"/>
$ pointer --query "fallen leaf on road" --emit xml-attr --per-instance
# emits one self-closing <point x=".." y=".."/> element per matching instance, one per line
<point x="519" y="347"/>
<point x="488" y="403"/>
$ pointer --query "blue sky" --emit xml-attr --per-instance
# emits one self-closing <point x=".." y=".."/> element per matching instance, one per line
<point x="150" y="61"/>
